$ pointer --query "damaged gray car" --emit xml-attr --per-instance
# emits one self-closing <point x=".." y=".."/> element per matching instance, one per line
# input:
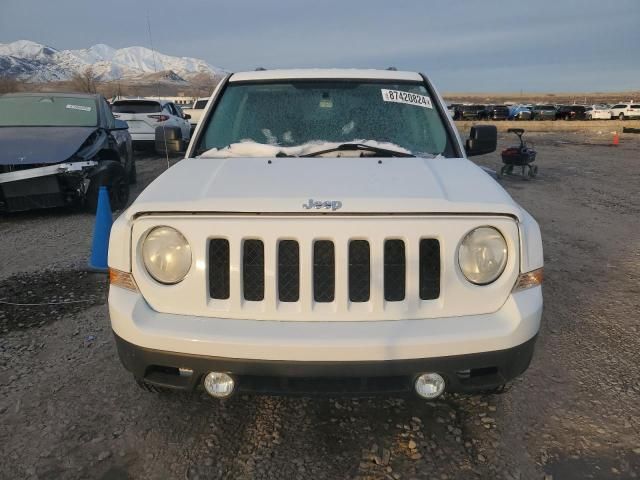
<point x="57" y="149"/>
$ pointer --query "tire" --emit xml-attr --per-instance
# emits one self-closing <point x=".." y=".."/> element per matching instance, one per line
<point x="533" y="171"/>
<point x="115" y="179"/>
<point x="621" y="116"/>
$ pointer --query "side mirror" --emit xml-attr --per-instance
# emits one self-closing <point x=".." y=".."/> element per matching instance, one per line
<point x="187" y="116"/>
<point x="120" y="125"/>
<point x="168" y="140"/>
<point x="482" y="139"/>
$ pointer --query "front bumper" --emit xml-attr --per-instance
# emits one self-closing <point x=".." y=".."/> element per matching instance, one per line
<point x="43" y="186"/>
<point x="472" y="352"/>
<point x="462" y="373"/>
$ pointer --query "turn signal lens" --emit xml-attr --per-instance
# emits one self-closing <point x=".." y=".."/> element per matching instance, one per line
<point x="122" y="279"/>
<point x="529" y="280"/>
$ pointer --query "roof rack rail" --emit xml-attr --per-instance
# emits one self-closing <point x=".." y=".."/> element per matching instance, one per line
<point x="260" y="69"/>
<point x="393" y="69"/>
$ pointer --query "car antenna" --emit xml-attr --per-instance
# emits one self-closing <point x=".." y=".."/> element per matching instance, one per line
<point x="260" y="69"/>
<point x="393" y="69"/>
<point x="155" y="69"/>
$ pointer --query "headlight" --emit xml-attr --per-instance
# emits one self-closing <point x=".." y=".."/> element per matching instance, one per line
<point x="166" y="255"/>
<point x="482" y="255"/>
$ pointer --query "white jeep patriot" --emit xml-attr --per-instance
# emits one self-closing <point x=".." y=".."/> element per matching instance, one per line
<point x="326" y="234"/>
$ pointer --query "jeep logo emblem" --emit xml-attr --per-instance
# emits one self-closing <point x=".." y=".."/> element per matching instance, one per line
<point x="332" y="205"/>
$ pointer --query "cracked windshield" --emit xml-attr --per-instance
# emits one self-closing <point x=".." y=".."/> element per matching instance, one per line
<point x="314" y="115"/>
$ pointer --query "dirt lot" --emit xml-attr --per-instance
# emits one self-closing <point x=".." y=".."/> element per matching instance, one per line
<point x="69" y="410"/>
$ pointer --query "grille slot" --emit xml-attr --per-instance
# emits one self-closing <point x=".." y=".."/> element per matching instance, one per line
<point x="394" y="271"/>
<point x="429" y="269"/>
<point x="359" y="271"/>
<point x="219" y="268"/>
<point x="253" y="270"/>
<point x="288" y="271"/>
<point x="324" y="271"/>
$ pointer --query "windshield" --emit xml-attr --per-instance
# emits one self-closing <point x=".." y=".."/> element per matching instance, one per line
<point x="136" y="106"/>
<point x="47" y="111"/>
<point x="295" y="113"/>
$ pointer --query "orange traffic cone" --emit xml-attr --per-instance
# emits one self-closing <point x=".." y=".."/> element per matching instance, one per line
<point x="616" y="139"/>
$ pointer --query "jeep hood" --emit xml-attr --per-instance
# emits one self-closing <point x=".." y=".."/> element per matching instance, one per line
<point x="361" y="184"/>
<point x="41" y="145"/>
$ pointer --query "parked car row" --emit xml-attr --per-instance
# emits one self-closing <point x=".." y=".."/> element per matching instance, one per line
<point x="619" y="111"/>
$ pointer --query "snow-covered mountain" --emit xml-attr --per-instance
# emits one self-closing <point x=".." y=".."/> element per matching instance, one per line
<point x="34" y="62"/>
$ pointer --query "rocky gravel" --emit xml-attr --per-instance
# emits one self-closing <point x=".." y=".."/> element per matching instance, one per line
<point x="69" y="410"/>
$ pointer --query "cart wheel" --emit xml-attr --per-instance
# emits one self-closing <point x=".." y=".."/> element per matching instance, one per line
<point x="504" y="170"/>
<point x="533" y="170"/>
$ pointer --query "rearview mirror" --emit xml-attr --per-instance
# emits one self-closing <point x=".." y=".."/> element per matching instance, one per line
<point x="120" y="125"/>
<point x="168" y="140"/>
<point x="482" y="139"/>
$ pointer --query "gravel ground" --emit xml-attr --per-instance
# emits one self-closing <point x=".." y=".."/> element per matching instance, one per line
<point x="69" y="410"/>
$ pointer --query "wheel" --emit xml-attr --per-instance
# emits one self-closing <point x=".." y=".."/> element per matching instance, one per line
<point x="116" y="182"/>
<point x="533" y="170"/>
<point x="589" y="117"/>
<point x="621" y="116"/>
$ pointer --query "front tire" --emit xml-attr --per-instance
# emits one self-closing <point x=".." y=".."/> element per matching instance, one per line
<point x="621" y="116"/>
<point x="117" y="185"/>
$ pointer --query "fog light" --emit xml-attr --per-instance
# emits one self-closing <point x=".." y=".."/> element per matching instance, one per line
<point x="429" y="385"/>
<point x="218" y="384"/>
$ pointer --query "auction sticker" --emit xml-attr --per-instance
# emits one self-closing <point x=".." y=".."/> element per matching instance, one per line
<point x="398" y="96"/>
<point x="79" y="107"/>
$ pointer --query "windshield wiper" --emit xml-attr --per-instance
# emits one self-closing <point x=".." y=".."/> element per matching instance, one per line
<point x="362" y="147"/>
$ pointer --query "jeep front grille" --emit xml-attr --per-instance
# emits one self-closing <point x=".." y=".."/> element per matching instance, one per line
<point x="324" y="266"/>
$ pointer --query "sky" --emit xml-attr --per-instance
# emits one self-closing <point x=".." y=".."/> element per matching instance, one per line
<point x="463" y="45"/>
